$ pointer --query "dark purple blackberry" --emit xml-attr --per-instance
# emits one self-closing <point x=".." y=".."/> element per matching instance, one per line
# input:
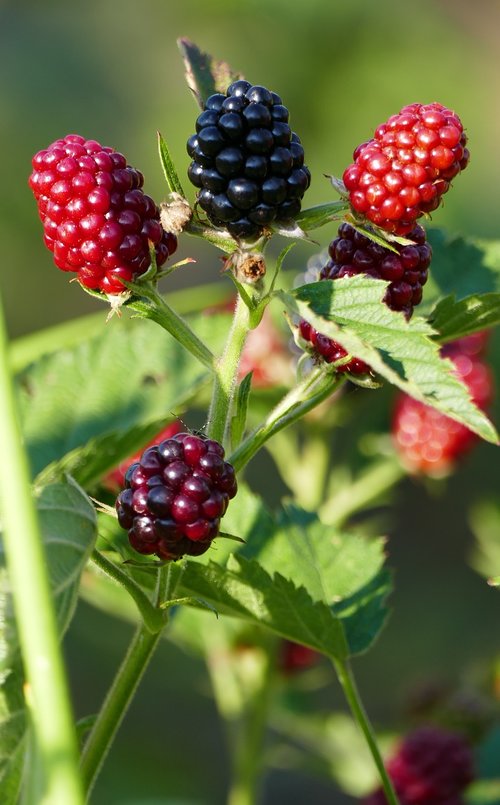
<point x="352" y="253"/>
<point x="175" y="496"/>
<point x="247" y="163"/>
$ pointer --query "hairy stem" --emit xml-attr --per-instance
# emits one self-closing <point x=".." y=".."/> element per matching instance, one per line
<point x="226" y="371"/>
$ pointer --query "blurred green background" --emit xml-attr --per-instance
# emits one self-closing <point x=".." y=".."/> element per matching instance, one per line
<point x="112" y="71"/>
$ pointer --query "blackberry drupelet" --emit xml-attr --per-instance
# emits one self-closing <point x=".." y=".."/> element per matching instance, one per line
<point x="247" y="164"/>
<point x="97" y="220"/>
<point x="175" y="496"/>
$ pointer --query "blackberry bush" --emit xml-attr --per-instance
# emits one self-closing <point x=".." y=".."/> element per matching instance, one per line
<point x="175" y="497"/>
<point x="248" y="165"/>
<point x="97" y="220"/>
<point x="406" y="168"/>
<point x="353" y="253"/>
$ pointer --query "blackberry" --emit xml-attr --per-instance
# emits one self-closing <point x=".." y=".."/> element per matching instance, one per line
<point x="352" y="253"/>
<point x="431" y="767"/>
<point x="175" y="496"/>
<point x="97" y="220"/>
<point x="247" y="164"/>
<point x="294" y="657"/>
<point x="428" y="442"/>
<point x="407" y="167"/>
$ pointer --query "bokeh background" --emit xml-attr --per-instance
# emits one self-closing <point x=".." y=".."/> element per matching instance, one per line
<point x="112" y="71"/>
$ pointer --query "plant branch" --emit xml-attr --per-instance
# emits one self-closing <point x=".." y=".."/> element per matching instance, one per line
<point x="36" y="621"/>
<point x="151" y="305"/>
<point x="226" y="371"/>
<point x="315" y="388"/>
<point x="351" y="693"/>
<point x="152" y="617"/>
<point x="122" y="689"/>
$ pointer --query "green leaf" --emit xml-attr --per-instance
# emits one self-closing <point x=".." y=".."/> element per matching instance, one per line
<point x="344" y="571"/>
<point x="68" y="526"/>
<point x="88" y="464"/>
<point x="239" y="419"/>
<point x="29" y="348"/>
<point x="245" y="590"/>
<point x="322" y="214"/>
<point x="460" y="267"/>
<point x="454" y="319"/>
<point x="204" y="74"/>
<point x="352" y="313"/>
<point x="168" y="166"/>
<point x="129" y="375"/>
<point x="485" y="523"/>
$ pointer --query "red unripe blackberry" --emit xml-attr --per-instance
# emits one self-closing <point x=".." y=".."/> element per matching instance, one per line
<point x="97" y="220"/>
<point x="248" y="165"/>
<point x="431" y="767"/>
<point x="407" y="167"/>
<point x="175" y="496"/>
<point x="115" y="479"/>
<point x="352" y="253"/>
<point x="429" y="442"/>
<point x="294" y="657"/>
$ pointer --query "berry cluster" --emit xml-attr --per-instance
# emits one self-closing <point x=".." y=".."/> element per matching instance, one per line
<point x="407" y="167"/>
<point x="429" y="442"/>
<point x="175" y="496"/>
<point x="247" y="163"/>
<point x="352" y="253"/>
<point x="97" y="220"/>
<point x="431" y="767"/>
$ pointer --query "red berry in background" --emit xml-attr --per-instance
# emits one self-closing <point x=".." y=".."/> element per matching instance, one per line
<point x="294" y="657"/>
<point x="431" y="767"/>
<point x="407" y="167"/>
<point x="352" y="253"/>
<point x="265" y="354"/>
<point x="175" y="496"/>
<point x="115" y="480"/>
<point x="97" y="220"/>
<point x="429" y="442"/>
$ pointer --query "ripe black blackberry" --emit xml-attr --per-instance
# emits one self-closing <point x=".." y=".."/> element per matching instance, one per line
<point x="247" y="164"/>
<point x="352" y="253"/>
<point x="175" y="496"/>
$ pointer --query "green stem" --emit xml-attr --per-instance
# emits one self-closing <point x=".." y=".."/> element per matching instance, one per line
<point x="150" y="304"/>
<point x="34" y="608"/>
<point x="152" y="617"/>
<point x="363" y="491"/>
<point x="122" y="690"/>
<point x="226" y="371"/>
<point x="351" y="693"/>
<point x="315" y="388"/>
